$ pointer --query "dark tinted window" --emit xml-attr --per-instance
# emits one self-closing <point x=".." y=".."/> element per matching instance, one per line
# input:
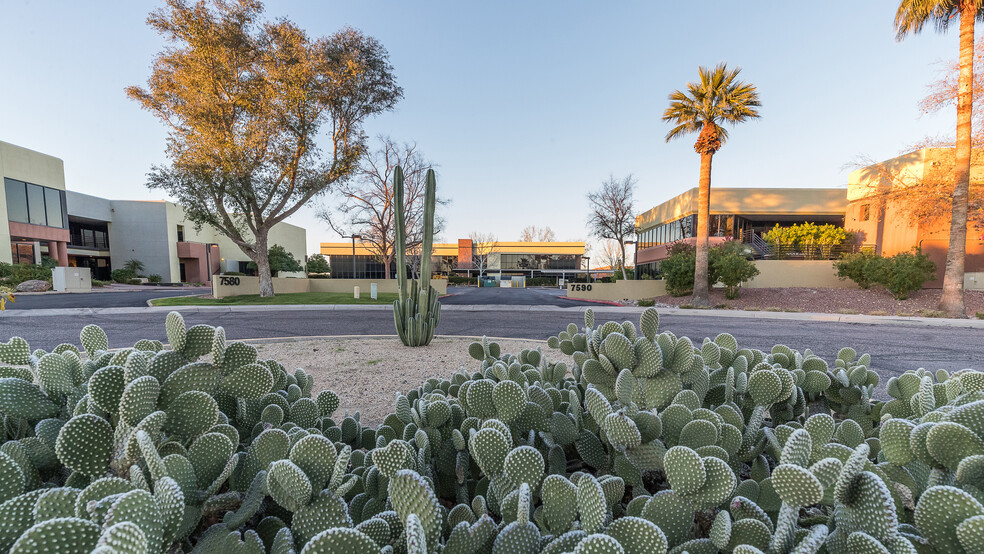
<point x="35" y="204"/>
<point x="16" y="200"/>
<point x="53" y="207"/>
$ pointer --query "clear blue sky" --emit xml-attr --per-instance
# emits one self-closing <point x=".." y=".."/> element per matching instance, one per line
<point x="524" y="105"/>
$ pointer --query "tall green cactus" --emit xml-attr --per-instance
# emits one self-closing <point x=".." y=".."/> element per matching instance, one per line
<point x="417" y="312"/>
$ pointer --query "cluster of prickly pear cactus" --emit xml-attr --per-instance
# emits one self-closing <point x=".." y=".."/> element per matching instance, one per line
<point x="638" y="442"/>
<point x="417" y="311"/>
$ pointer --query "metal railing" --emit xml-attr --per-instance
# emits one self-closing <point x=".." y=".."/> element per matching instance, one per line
<point x="772" y="251"/>
<point x="99" y="240"/>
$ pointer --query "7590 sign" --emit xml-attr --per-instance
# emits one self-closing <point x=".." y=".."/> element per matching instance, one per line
<point x="229" y="281"/>
<point x="575" y="287"/>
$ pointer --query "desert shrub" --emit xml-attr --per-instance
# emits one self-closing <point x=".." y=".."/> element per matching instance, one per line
<point x="12" y="275"/>
<point x="135" y="281"/>
<point x="155" y="450"/>
<point x="678" y="268"/>
<point x="48" y="262"/>
<point x="732" y="267"/>
<point x="729" y="263"/>
<point x="647" y="302"/>
<point x="121" y="275"/>
<point x="154" y="278"/>
<point x="456" y="280"/>
<point x="98" y="283"/>
<point x="900" y="274"/>
<point x="908" y="272"/>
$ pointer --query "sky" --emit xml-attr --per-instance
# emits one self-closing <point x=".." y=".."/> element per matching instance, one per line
<point x="525" y="106"/>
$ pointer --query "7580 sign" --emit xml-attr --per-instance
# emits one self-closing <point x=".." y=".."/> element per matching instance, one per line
<point x="575" y="287"/>
<point x="229" y="281"/>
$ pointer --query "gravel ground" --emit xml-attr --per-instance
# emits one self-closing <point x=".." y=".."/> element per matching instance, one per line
<point x="368" y="372"/>
<point x="854" y="301"/>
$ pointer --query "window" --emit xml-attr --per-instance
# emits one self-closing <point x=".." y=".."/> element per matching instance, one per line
<point x="181" y="233"/>
<point x="53" y="207"/>
<point x="16" y="200"/>
<point x="865" y="212"/>
<point x="22" y="252"/>
<point x="34" y="204"/>
<point x="85" y="234"/>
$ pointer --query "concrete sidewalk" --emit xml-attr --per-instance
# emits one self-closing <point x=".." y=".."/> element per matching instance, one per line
<point x="599" y="309"/>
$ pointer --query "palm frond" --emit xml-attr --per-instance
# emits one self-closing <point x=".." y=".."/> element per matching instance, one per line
<point x="716" y="97"/>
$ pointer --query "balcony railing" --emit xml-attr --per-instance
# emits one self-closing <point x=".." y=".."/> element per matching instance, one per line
<point x="98" y="241"/>
<point x="772" y="251"/>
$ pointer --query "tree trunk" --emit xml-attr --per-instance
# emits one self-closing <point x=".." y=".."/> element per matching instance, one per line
<point x="701" y="295"/>
<point x="387" y="260"/>
<point x="263" y="264"/>
<point x="622" y="260"/>
<point x="952" y="300"/>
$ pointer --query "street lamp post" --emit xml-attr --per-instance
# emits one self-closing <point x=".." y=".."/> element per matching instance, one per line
<point x="353" y="237"/>
<point x="635" y="259"/>
<point x="587" y="261"/>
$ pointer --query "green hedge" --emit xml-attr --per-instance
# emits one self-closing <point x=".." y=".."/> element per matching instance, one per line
<point x="12" y="275"/>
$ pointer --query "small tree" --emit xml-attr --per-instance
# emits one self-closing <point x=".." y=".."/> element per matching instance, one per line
<point x="732" y="265"/>
<point x="483" y="246"/>
<point x="281" y="260"/>
<point x="613" y="212"/>
<point x="317" y="265"/>
<point x="247" y="103"/>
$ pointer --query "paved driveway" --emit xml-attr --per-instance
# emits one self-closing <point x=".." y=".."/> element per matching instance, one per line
<point x="488" y="296"/>
<point x="122" y="299"/>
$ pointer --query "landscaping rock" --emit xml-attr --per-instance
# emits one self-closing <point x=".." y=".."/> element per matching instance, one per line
<point x="34" y="285"/>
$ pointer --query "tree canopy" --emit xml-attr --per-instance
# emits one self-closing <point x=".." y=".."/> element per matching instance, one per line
<point x="262" y="118"/>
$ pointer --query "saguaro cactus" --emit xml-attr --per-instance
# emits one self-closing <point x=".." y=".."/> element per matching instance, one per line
<point x="417" y="312"/>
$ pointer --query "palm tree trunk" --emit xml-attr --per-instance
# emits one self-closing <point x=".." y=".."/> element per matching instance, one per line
<point x="701" y="296"/>
<point x="952" y="301"/>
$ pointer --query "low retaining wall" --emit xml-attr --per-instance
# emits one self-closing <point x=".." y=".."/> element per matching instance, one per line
<point x="619" y="290"/>
<point x="235" y="285"/>
<point x="797" y="273"/>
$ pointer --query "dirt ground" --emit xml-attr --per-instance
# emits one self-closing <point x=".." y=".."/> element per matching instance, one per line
<point x="366" y="373"/>
<point x="845" y="301"/>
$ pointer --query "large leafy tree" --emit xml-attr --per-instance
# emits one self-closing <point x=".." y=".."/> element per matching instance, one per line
<point x="911" y="17"/>
<point x="262" y="117"/>
<point x="717" y="99"/>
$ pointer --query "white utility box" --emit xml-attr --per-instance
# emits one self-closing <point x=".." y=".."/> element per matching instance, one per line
<point x="71" y="279"/>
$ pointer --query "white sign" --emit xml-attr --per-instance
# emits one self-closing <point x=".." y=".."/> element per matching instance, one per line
<point x="373" y="290"/>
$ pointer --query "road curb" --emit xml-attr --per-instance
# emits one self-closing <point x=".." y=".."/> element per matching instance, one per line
<point x="600" y="309"/>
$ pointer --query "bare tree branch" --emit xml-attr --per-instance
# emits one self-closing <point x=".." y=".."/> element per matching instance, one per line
<point x="612" y="213"/>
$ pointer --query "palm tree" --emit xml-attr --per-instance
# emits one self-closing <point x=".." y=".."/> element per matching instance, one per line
<point x="718" y="98"/>
<point x="910" y="18"/>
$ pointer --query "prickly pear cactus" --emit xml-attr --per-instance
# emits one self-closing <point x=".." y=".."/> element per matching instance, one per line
<point x="631" y="440"/>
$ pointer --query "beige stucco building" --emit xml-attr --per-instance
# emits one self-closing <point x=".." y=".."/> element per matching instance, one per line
<point x="736" y="213"/>
<point x="39" y="217"/>
<point x="880" y="213"/>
